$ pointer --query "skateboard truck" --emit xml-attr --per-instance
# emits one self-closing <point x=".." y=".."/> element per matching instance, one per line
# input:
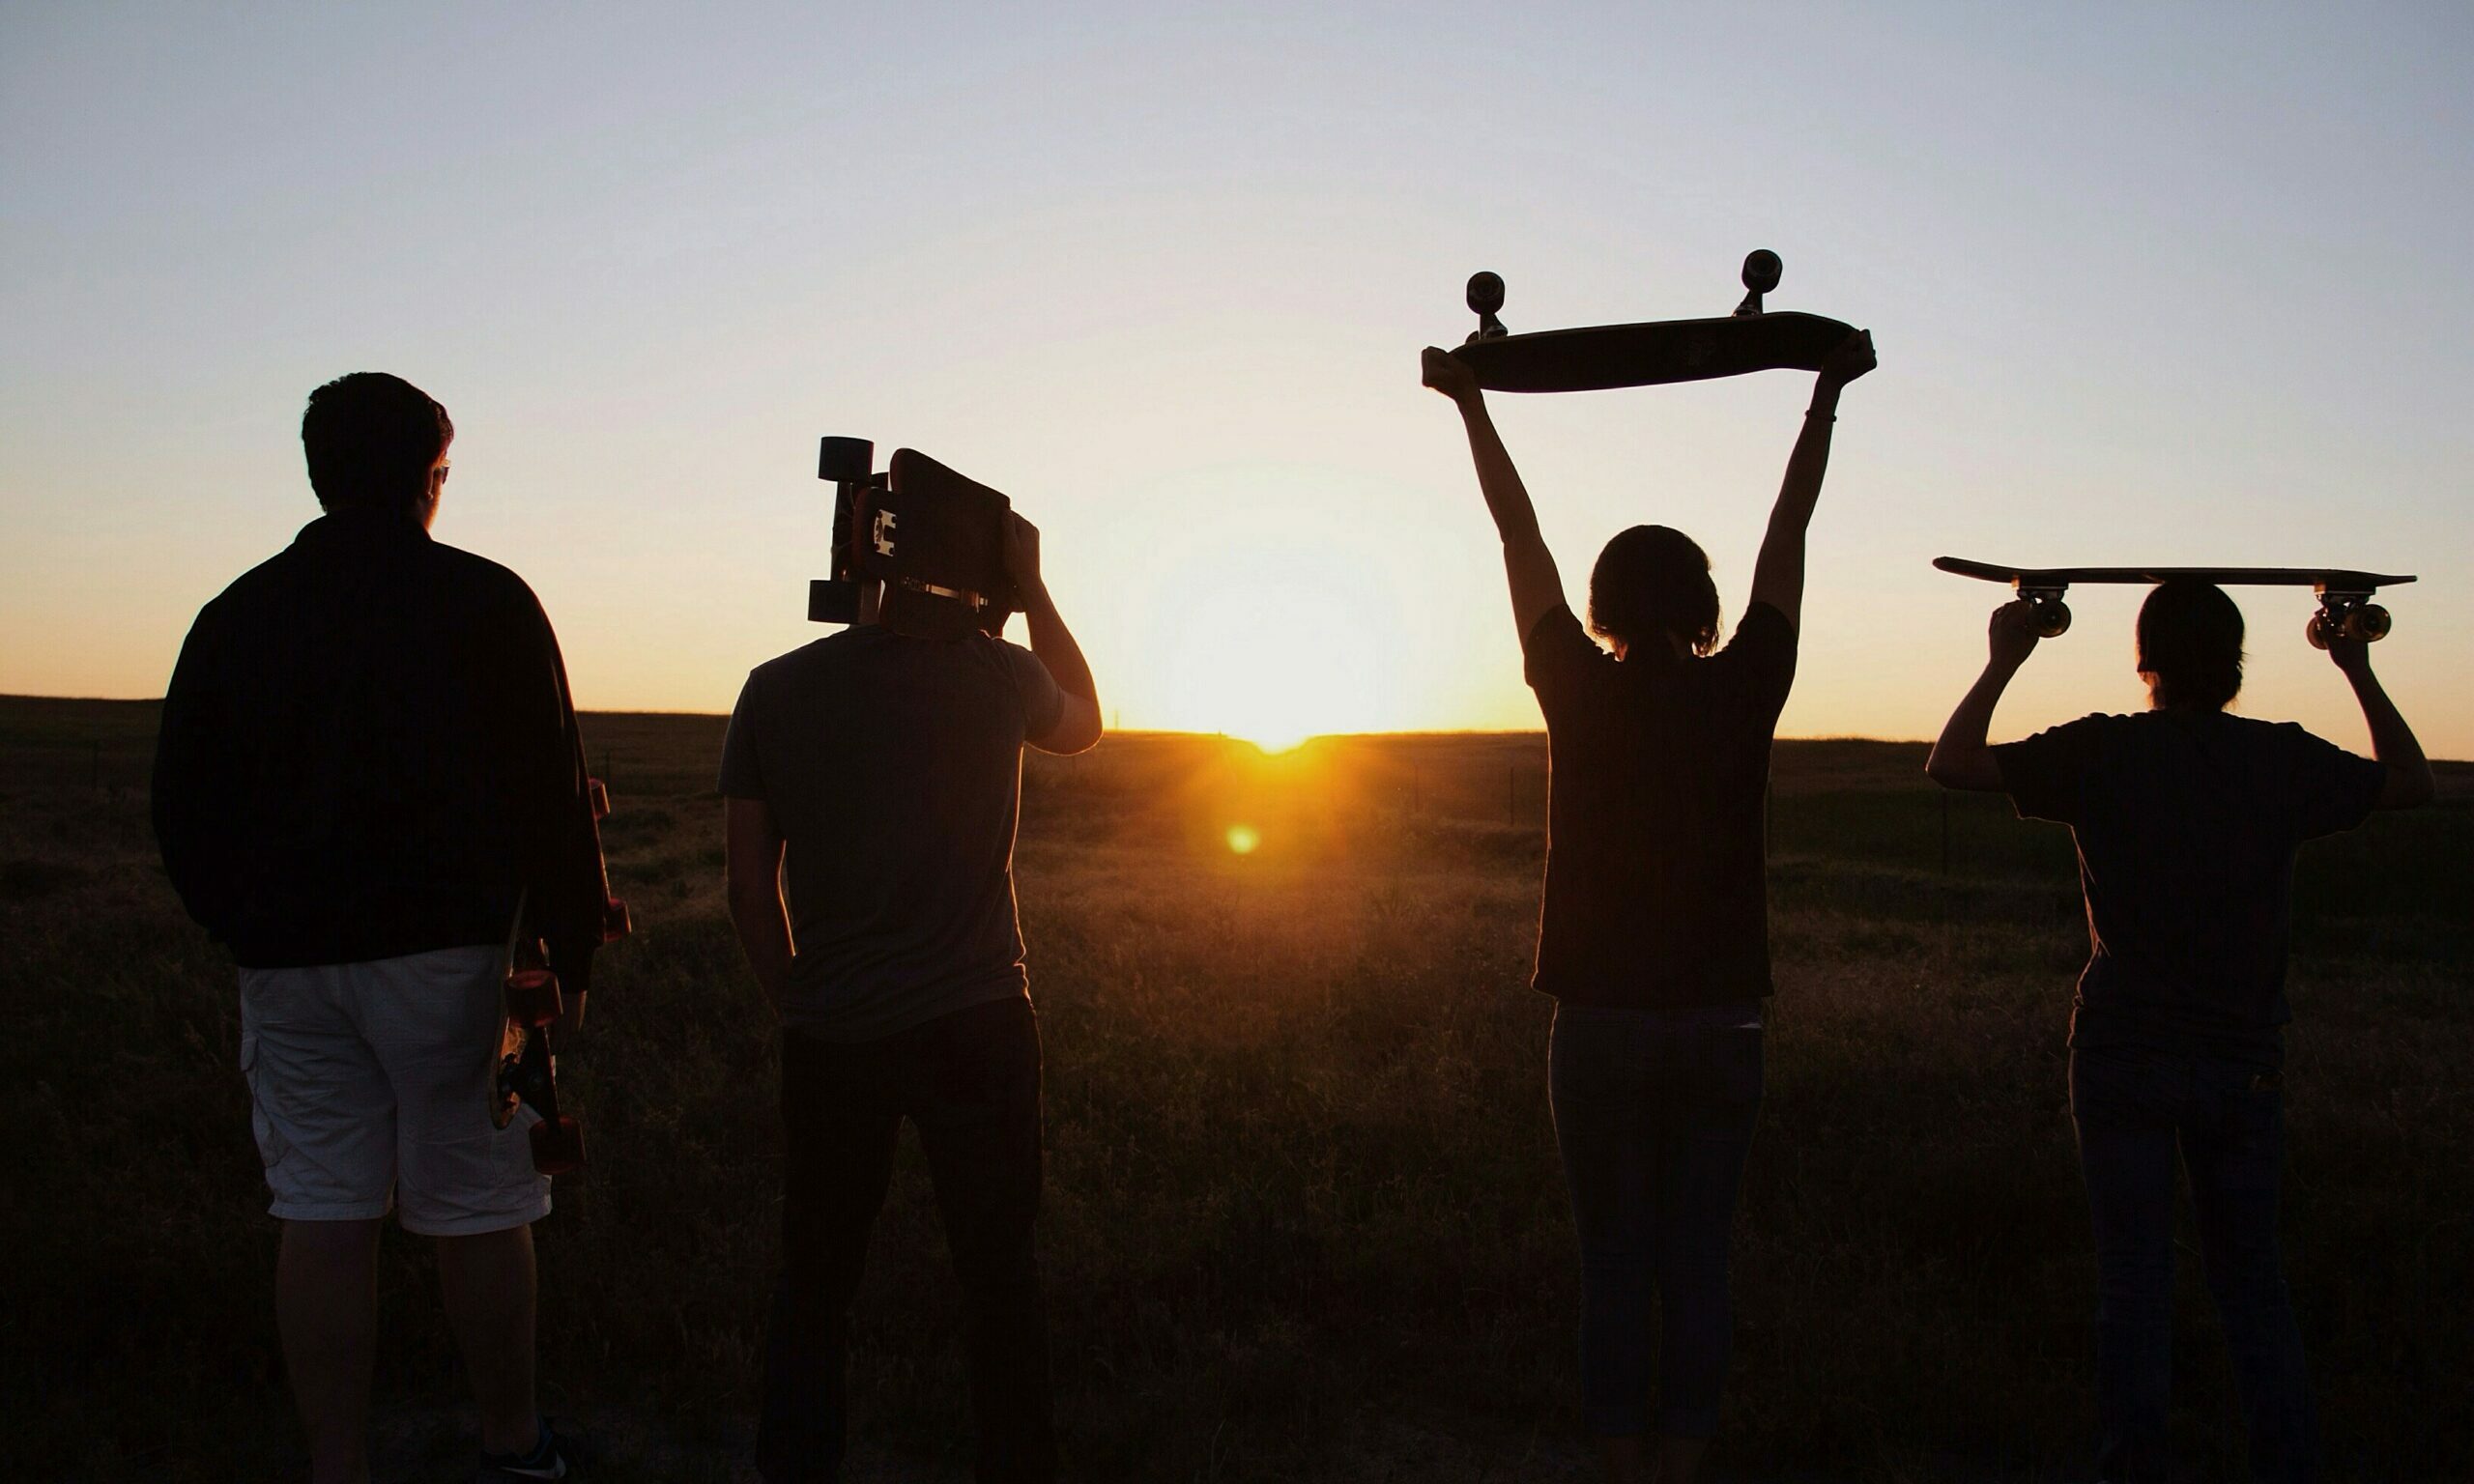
<point x="935" y="540"/>
<point x="2350" y="613"/>
<point x="2048" y="616"/>
<point x="844" y="463"/>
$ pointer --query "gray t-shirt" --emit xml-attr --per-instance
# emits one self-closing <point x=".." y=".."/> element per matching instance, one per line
<point x="893" y="766"/>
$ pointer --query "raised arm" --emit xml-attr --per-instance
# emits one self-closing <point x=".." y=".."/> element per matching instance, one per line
<point x="2410" y="779"/>
<point x="1961" y="759"/>
<point x="1537" y="588"/>
<point x="1778" y="575"/>
<point x="1077" y="724"/>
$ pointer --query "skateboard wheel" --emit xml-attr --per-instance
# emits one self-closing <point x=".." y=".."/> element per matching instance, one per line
<point x="615" y="923"/>
<point x="845" y="459"/>
<point x="2316" y="631"/>
<point x="558" y="1146"/>
<point x="1485" y="292"/>
<point x="1761" y="269"/>
<point x="532" y="998"/>
<point x="600" y="797"/>
<point x="2367" y="625"/>
<point x="2049" y="617"/>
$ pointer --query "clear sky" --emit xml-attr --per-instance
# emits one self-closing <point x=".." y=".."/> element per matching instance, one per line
<point x="2170" y="284"/>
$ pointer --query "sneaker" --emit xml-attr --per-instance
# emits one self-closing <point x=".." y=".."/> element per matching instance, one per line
<point x="548" y="1460"/>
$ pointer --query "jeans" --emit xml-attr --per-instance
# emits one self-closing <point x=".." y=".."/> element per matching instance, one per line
<point x="2133" y="1106"/>
<point x="1655" y="1114"/>
<point x="970" y="1082"/>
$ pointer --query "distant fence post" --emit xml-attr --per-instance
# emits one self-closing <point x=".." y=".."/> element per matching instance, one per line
<point x="1945" y="832"/>
<point x="95" y="764"/>
<point x="1512" y="797"/>
<point x="609" y="770"/>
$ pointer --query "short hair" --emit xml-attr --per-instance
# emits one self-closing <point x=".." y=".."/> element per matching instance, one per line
<point x="1650" y="581"/>
<point x="2190" y="645"/>
<point x="371" y="438"/>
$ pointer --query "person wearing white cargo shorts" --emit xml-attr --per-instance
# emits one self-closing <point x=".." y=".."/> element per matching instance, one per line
<point x="369" y="1086"/>
<point x="368" y="760"/>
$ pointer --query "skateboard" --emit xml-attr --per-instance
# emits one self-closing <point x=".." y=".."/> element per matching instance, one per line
<point x="527" y="1064"/>
<point x="1601" y="357"/>
<point x="935" y="539"/>
<point x="2345" y="595"/>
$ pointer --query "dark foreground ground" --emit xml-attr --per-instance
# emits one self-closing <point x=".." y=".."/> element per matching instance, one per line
<point x="1304" y="1220"/>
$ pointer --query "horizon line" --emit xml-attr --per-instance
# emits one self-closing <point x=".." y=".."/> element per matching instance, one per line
<point x="1402" y="733"/>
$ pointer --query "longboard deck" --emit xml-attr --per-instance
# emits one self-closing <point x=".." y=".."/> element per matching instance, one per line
<point x="961" y="554"/>
<point x="2329" y="578"/>
<point x="1600" y="357"/>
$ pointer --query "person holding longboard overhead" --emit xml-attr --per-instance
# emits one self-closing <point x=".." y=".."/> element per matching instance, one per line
<point x="1653" y="937"/>
<point x="2186" y="819"/>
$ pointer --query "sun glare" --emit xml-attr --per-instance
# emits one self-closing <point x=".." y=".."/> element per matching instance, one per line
<point x="1275" y="642"/>
<point x="1244" y="837"/>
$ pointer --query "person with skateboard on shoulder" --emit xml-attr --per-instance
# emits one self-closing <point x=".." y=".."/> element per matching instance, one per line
<point x="2186" y="819"/>
<point x="1653" y="937"/>
<point x="369" y="758"/>
<point x="871" y="781"/>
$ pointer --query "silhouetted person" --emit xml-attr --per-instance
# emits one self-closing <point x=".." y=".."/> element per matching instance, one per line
<point x="368" y="756"/>
<point x="2186" y="821"/>
<point x="1653" y="937"/>
<point x="874" y="779"/>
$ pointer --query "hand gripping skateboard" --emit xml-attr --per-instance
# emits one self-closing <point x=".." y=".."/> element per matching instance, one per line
<point x="2345" y="595"/>
<point x="528" y="1066"/>
<point x="934" y="538"/>
<point x="1601" y="357"/>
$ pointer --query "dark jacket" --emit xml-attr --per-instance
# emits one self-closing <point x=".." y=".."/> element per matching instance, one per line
<point x="368" y="750"/>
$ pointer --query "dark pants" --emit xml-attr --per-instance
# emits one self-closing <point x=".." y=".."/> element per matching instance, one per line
<point x="2133" y="1107"/>
<point x="970" y="1082"/>
<point x="1654" y="1113"/>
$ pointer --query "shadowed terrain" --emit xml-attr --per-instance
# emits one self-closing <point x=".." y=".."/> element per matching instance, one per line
<point x="1304" y="1217"/>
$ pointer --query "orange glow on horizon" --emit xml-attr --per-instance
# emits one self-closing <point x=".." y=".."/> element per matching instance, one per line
<point x="1272" y="627"/>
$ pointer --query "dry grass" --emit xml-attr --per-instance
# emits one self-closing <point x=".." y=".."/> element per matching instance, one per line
<point x="1304" y="1220"/>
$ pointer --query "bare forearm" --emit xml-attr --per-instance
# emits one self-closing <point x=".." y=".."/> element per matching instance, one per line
<point x="1054" y="642"/>
<point x="1498" y="480"/>
<point x="1961" y="757"/>
<point x="1778" y="572"/>
<point x="765" y="936"/>
<point x="1799" y="491"/>
<point x="2392" y="742"/>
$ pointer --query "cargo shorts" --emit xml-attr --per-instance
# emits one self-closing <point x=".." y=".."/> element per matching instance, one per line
<point x="370" y="1088"/>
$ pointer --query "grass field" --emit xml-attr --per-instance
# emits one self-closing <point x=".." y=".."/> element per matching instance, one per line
<point x="1305" y="1219"/>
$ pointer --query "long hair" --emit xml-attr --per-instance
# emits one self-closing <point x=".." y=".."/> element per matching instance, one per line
<point x="1650" y="581"/>
<point x="2190" y="645"/>
<point x="371" y="438"/>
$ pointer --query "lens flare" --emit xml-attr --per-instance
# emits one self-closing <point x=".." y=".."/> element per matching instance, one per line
<point x="1244" y="837"/>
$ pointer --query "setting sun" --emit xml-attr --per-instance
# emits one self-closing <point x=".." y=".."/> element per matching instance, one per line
<point x="1271" y="640"/>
